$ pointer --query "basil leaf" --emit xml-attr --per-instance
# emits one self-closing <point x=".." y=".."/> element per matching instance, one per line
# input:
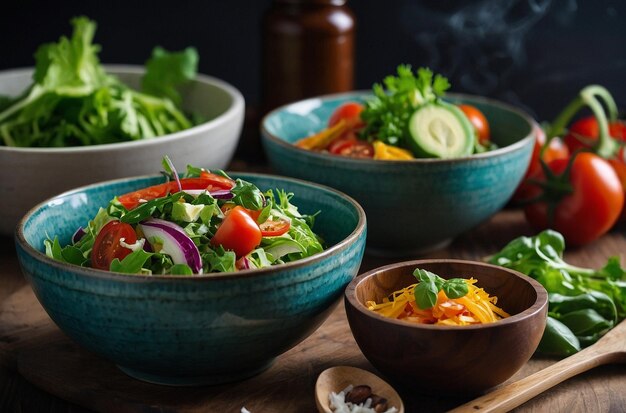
<point x="455" y="288"/>
<point x="425" y="294"/>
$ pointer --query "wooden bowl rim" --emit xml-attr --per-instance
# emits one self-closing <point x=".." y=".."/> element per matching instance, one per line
<point x="540" y="303"/>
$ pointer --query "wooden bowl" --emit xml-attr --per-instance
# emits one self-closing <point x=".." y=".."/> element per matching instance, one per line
<point x="452" y="360"/>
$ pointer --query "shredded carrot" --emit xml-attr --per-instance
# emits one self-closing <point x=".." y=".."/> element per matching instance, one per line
<point x="475" y="307"/>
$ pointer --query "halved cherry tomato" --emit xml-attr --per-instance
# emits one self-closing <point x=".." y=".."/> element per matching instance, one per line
<point x="274" y="228"/>
<point x="479" y="121"/>
<point x="353" y="148"/>
<point x="350" y="112"/>
<point x="555" y="150"/>
<point x="238" y="232"/>
<point x="593" y="206"/>
<point x="132" y="199"/>
<point x="106" y="246"/>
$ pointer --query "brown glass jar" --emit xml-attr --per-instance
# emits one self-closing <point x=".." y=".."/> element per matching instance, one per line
<point x="308" y="50"/>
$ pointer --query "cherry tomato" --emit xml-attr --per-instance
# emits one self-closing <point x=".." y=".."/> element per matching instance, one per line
<point x="228" y="206"/>
<point x="593" y="206"/>
<point x="350" y="112"/>
<point x="479" y="121"/>
<point x="238" y="232"/>
<point x="352" y="148"/>
<point x="584" y="133"/>
<point x="555" y="150"/>
<point x="133" y="199"/>
<point x="106" y="246"/>
<point x="274" y="228"/>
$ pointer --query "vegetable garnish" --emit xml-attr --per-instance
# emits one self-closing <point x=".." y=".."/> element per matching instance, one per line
<point x="584" y="303"/>
<point x="578" y="188"/>
<point x="74" y="102"/>
<point x="164" y="229"/>
<point x="434" y="300"/>
<point x="406" y="118"/>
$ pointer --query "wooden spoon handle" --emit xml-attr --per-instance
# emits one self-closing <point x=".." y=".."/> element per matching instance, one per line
<point x="512" y="395"/>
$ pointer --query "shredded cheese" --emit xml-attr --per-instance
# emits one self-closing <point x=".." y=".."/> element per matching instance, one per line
<point x="475" y="307"/>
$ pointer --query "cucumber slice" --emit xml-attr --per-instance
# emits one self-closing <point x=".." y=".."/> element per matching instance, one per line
<point x="441" y="130"/>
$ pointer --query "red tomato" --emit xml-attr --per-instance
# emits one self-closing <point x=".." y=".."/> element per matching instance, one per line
<point x="350" y="112"/>
<point x="479" y="121"/>
<point x="106" y="246"/>
<point x="555" y="150"/>
<point x="353" y="148"/>
<point x="227" y="207"/>
<point x="593" y="206"/>
<point x="584" y="133"/>
<point x="132" y="199"/>
<point x="238" y="232"/>
<point x="216" y="180"/>
<point x="271" y="228"/>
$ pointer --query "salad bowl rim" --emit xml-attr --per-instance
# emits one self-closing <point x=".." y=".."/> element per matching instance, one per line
<point x="236" y="106"/>
<point x="540" y="303"/>
<point x="518" y="145"/>
<point x="342" y="245"/>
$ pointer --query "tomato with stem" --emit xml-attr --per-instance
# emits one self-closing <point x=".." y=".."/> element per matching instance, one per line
<point x="107" y="246"/>
<point x="238" y="232"/>
<point x="582" y="199"/>
<point x="555" y="149"/>
<point x="584" y="133"/>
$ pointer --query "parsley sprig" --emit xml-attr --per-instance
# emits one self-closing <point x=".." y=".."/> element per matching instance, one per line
<point x="387" y="114"/>
<point x="430" y="284"/>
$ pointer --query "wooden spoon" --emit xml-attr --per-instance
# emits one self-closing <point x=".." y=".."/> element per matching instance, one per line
<point x="335" y="379"/>
<point x="609" y="349"/>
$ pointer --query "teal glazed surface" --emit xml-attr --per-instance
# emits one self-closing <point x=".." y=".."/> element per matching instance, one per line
<point x="208" y="329"/>
<point x="411" y="206"/>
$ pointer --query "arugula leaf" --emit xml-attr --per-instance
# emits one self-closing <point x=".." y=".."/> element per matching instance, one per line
<point x="247" y="195"/>
<point x="132" y="263"/>
<point x="387" y="114"/>
<point x="166" y="71"/>
<point x="181" y="269"/>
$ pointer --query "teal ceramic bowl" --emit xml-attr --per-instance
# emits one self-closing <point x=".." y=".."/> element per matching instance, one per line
<point x="411" y="206"/>
<point x="206" y="329"/>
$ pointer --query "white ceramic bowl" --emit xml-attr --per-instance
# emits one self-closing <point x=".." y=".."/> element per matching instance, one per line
<point x="30" y="175"/>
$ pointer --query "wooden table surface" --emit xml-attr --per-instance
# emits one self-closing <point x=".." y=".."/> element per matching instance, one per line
<point x="35" y="355"/>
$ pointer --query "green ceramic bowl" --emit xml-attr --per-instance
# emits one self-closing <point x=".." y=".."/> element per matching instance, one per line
<point x="206" y="329"/>
<point x="412" y="206"/>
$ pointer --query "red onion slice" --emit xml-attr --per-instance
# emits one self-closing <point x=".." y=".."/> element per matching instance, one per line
<point x="78" y="235"/>
<point x="176" y="243"/>
<point x="173" y="169"/>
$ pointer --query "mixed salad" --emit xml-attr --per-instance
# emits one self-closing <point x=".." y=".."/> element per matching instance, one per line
<point x="434" y="300"/>
<point x="74" y="102"/>
<point x="406" y="118"/>
<point x="201" y="223"/>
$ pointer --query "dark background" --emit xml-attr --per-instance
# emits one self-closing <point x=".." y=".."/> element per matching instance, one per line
<point x="532" y="53"/>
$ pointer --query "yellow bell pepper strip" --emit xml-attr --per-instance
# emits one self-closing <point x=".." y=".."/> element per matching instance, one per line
<point x="390" y="153"/>
<point x="321" y="139"/>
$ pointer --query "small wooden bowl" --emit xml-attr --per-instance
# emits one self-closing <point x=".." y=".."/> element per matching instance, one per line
<point x="463" y="360"/>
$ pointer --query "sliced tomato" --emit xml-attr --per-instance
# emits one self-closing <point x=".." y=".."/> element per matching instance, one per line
<point x="274" y="228"/>
<point x="107" y="247"/>
<point x="352" y="148"/>
<point x="132" y="200"/>
<point x="238" y="232"/>
<point x="228" y="206"/>
<point x="350" y="112"/>
<point x="216" y="180"/>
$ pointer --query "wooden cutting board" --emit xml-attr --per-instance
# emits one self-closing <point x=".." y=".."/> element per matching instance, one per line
<point x="31" y="345"/>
